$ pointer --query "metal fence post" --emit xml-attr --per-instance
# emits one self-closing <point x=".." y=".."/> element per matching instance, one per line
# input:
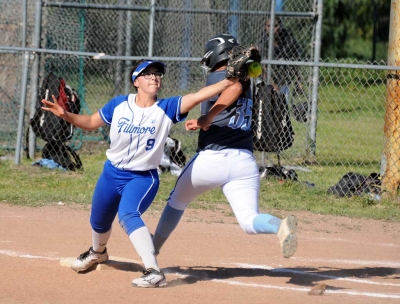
<point x="120" y="44"/>
<point x="271" y="41"/>
<point x="24" y="80"/>
<point x="186" y="50"/>
<point x="270" y="55"/>
<point x="315" y="83"/>
<point x="151" y="28"/>
<point x="35" y="76"/>
<point x="128" y="49"/>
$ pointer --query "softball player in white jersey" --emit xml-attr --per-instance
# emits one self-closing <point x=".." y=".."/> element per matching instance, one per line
<point x="139" y="125"/>
<point x="225" y="158"/>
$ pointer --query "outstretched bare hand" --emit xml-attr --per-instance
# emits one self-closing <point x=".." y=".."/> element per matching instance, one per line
<point x="53" y="107"/>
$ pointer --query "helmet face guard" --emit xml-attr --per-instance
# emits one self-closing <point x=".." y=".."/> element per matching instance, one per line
<point x="217" y="50"/>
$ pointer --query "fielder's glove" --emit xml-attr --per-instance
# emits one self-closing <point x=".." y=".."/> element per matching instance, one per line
<point x="238" y="57"/>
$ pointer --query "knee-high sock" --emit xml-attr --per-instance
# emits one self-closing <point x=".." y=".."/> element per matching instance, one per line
<point x="141" y="240"/>
<point x="266" y="223"/>
<point x="99" y="240"/>
<point x="168" y="222"/>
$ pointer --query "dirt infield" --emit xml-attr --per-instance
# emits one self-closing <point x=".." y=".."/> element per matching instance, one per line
<point x="209" y="259"/>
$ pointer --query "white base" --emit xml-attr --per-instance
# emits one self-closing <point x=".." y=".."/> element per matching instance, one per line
<point x="112" y="263"/>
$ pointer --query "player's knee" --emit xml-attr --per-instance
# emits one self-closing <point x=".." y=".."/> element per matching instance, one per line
<point x="100" y="229"/>
<point x="177" y="205"/>
<point x="131" y="222"/>
<point x="101" y="225"/>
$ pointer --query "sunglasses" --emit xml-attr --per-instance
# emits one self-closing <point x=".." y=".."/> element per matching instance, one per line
<point x="148" y="75"/>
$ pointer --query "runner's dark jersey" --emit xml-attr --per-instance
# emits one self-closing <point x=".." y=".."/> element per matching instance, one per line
<point x="230" y="129"/>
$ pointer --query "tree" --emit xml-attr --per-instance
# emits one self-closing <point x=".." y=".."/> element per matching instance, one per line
<point x="348" y="24"/>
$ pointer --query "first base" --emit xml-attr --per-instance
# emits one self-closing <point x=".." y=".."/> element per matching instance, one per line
<point x="112" y="263"/>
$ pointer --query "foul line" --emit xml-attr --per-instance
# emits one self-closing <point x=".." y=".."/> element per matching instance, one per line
<point x="237" y="283"/>
<point x="393" y="264"/>
<point x="27" y="256"/>
<point x="350" y="241"/>
<point x="325" y="276"/>
<point x="251" y="266"/>
<point x="351" y="293"/>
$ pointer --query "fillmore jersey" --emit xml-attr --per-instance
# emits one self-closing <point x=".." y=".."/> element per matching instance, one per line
<point x="138" y="134"/>
<point x="230" y="129"/>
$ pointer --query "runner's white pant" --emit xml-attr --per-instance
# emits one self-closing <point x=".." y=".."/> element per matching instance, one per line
<point x="234" y="170"/>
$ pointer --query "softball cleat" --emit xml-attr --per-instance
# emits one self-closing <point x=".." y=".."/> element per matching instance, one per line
<point x="152" y="278"/>
<point x="88" y="259"/>
<point x="287" y="236"/>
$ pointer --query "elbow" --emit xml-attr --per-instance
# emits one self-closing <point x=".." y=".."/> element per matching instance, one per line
<point x="86" y="127"/>
<point x="91" y="128"/>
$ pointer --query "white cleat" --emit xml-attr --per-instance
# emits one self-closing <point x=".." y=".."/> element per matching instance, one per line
<point x="88" y="259"/>
<point x="151" y="279"/>
<point x="287" y="236"/>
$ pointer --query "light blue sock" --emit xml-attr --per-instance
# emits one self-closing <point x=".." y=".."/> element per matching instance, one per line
<point x="266" y="223"/>
<point x="168" y="222"/>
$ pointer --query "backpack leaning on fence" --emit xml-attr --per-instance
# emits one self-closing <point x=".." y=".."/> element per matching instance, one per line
<point x="271" y="124"/>
<point x="55" y="130"/>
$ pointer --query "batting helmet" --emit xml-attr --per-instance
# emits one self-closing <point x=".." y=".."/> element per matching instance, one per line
<point x="217" y="49"/>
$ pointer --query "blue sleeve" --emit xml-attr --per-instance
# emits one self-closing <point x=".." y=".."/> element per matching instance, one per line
<point x="172" y="108"/>
<point x="107" y="111"/>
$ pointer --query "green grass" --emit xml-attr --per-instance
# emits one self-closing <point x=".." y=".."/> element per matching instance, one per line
<point x="29" y="185"/>
<point x="349" y="139"/>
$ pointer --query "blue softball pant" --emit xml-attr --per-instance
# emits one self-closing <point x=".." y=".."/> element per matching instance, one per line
<point x="128" y="193"/>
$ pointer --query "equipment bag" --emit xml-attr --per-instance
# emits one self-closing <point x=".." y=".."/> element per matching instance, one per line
<point x="52" y="129"/>
<point x="63" y="155"/>
<point x="46" y="125"/>
<point x="357" y="184"/>
<point x="272" y="128"/>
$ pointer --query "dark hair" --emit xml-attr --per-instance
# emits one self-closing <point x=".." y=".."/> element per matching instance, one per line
<point x="220" y="64"/>
<point x="278" y="21"/>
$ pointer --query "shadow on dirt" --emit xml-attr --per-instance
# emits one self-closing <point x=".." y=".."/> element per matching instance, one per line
<point x="300" y="276"/>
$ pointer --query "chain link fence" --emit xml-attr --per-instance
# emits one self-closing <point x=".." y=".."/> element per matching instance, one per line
<point x="336" y="108"/>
